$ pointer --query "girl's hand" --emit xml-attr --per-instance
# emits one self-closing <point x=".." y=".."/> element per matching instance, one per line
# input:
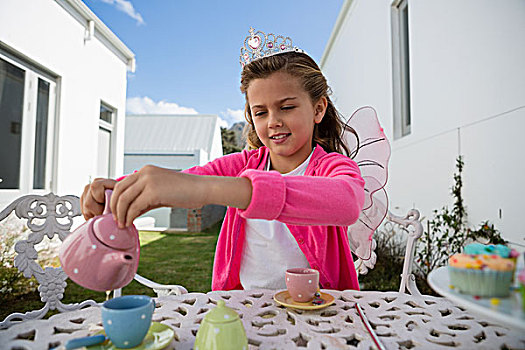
<point x="153" y="187"/>
<point x="92" y="200"/>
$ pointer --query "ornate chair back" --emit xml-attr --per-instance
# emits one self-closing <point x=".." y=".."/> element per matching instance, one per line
<point x="411" y="224"/>
<point x="47" y="215"/>
<point x="51" y="215"/>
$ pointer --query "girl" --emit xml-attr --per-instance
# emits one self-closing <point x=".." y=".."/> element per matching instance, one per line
<point x="290" y="197"/>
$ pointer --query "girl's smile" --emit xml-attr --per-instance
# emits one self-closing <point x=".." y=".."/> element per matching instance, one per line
<point x="280" y="137"/>
<point x="284" y="118"/>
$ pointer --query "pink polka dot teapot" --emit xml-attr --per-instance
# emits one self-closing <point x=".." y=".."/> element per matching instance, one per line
<point x="100" y="256"/>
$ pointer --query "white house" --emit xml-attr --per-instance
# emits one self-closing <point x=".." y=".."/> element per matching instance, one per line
<point x="170" y="141"/>
<point x="63" y="78"/>
<point x="447" y="78"/>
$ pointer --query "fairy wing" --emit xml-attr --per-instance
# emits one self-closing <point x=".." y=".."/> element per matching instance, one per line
<point x="371" y="151"/>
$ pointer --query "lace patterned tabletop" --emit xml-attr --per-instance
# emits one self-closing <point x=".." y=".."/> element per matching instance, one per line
<point x="401" y="321"/>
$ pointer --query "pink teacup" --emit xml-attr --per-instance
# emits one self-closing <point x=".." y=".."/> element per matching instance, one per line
<point x="302" y="283"/>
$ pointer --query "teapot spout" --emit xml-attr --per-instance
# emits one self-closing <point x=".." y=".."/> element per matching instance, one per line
<point x="120" y="268"/>
<point x="126" y="259"/>
<point x="122" y="260"/>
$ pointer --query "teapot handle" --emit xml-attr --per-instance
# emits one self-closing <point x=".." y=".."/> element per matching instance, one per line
<point x="107" y="208"/>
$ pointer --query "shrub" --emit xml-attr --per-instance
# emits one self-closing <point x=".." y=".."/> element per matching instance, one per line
<point x="12" y="281"/>
<point x="447" y="232"/>
<point x="486" y="233"/>
<point x="390" y="251"/>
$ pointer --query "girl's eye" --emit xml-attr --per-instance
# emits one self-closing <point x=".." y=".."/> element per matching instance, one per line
<point x="287" y="107"/>
<point x="258" y="114"/>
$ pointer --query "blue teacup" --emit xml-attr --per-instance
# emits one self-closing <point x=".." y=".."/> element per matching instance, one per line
<point x="127" y="319"/>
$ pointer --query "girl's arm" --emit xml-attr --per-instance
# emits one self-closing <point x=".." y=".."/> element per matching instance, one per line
<point x="153" y="187"/>
<point x="168" y="187"/>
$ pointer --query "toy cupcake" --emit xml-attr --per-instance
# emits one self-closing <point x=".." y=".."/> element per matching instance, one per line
<point x="493" y="249"/>
<point x="481" y="275"/>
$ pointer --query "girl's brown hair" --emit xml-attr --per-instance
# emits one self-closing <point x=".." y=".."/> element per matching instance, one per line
<point x="328" y="133"/>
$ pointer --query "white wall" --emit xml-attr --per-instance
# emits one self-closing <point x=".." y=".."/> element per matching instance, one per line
<point x="216" y="146"/>
<point x="88" y="74"/>
<point x="136" y="162"/>
<point x="358" y="67"/>
<point x="467" y="97"/>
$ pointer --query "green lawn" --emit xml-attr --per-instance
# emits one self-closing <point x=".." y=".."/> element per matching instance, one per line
<point x="181" y="258"/>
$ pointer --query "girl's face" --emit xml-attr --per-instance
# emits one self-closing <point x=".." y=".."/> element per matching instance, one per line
<point x="284" y="118"/>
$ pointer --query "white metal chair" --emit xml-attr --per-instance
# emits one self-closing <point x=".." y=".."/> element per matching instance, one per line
<point x="49" y="215"/>
<point x="414" y="228"/>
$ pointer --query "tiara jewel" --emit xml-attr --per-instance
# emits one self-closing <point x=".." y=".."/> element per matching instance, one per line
<point x="258" y="45"/>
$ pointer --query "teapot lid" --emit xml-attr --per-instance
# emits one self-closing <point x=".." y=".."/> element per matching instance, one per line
<point x="107" y="231"/>
<point x="221" y="314"/>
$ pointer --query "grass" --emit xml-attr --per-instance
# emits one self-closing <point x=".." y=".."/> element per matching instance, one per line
<point x="182" y="258"/>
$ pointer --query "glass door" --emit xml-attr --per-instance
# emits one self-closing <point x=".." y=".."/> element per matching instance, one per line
<point x="27" y="109"/>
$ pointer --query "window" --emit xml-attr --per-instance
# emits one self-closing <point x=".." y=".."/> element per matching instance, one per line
<point x="12" y="81"/>
<point x="401" y="68"/>
<point x="105" y="141"/>
<point x="27" y="102"/>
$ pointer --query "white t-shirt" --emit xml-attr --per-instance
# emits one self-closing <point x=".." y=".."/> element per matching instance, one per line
<point x="270" y="249"/>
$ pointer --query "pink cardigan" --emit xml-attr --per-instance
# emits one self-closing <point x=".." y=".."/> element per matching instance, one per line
<point x="316" y="207"/>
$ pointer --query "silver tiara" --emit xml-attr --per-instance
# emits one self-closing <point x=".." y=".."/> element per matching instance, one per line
<point x="258" y="45"/>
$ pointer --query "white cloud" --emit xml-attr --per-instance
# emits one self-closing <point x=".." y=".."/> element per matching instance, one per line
<point x="126" y="7"/>
<point x="145" y="105"/>
<point x="232" y="116"/>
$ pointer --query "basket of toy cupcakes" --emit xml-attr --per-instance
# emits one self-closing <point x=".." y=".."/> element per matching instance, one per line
<point x="482" y="270"/>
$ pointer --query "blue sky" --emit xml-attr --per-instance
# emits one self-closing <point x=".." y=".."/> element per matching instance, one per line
<point x="187" y="51"/>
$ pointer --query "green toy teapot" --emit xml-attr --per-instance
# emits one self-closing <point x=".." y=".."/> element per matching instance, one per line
<point x="221" y="329"/>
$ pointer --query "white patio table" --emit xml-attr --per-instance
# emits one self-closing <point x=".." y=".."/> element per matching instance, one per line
<point x="400" y="320"/>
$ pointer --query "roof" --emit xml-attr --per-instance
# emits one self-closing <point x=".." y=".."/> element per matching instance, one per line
<point x="169" y="134"/>
<point x="114" y="42"/>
